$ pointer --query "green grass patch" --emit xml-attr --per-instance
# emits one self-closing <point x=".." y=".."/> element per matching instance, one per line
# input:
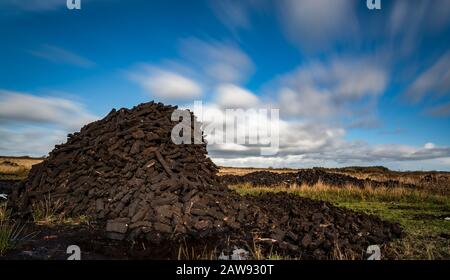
<point x="48" y="210"/>
<point x="10" y="232"/>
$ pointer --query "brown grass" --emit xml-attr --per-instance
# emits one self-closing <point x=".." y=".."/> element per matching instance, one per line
<point x="439" y="184"/>
<point x="16" y="168"/>
<point x="332" y="193"/>
<point x="24" y="162"/>
<point x="10" y="231"/>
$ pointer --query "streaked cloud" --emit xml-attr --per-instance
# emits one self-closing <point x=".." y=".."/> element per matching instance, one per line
<point x="32" y="125"/>
<point x="318" y="23"/>
<point x="220" y="61"/>
<point x="22" y="108"/>
<point x="236" y="14"/>
<point x="30" y="141"/>
<point x="369" y="122"/>
<point x="432" y="82"/>
<point x="61" y="56"/>
<point x="442" y="110"/>
<point x="410" y="21"/>
<point x="330" y="88"/>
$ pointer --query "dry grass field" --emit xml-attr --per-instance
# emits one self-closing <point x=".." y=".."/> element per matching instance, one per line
<point x="245" y="170"/>
<point x="16" y="168"/>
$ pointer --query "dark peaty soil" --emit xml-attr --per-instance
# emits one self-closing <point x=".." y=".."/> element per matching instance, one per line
<point x="288" y="225"/>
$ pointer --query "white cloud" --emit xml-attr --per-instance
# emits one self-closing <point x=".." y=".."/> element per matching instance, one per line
<point x="62" y="56"/>
<point x="220" y="61"/>
<point x="166" y="85"/>
<point x="25" y="108"/>
<point x="328" y="89"/>
<point x="342" y="153"/>
<point x="295" y="137"/>
<point x="32" y="125"/>
<point x="232" y="96"/>
<point x="429" y="146"/>
<point x="357" y="78"/>
<point x="250" y="123"/>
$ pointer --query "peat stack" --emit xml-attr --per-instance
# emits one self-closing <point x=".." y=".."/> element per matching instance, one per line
<point x="125" y="170"/>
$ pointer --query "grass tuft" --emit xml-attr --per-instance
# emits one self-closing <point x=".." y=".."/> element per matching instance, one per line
<point x="186" y="252"/>
<point x="10" y="232"/>
<point x="47" y="211"/>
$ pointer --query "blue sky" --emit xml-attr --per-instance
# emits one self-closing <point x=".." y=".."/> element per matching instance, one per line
<point x="359" y="86"/>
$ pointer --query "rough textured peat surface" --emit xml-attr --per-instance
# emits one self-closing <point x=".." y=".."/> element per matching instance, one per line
<point x="125" y="173"/>
<point x="319" y="230"/>
<point x="305" y="177"/>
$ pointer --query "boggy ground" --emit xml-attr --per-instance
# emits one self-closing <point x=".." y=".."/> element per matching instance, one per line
<point x="306" y="229"/>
